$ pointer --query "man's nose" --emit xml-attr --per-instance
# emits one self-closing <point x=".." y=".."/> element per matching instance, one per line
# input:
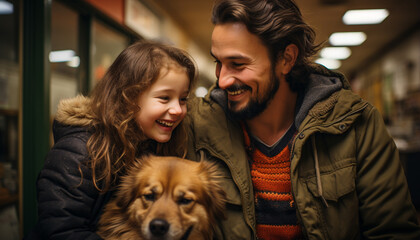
<point x="226" y="79"/>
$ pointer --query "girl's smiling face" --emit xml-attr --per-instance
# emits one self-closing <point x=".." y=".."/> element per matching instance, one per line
<point x="164" y="104"/>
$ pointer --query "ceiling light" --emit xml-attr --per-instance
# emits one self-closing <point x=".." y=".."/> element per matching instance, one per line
<point x="62" y="56"/>
<point x="336" y="52"/>
<point x="329" y="63"/>
<point x="347" y="38"/>
<point x="5" y="7"/>
<point x="74" y="62"/>
<point x="365" y="16"/>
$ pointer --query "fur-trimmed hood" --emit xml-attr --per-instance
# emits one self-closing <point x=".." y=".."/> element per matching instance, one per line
<point x="73" y="119"/>
<point x="75" y="111"/>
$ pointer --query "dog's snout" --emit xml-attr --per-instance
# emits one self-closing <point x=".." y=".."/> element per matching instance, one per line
<point x="159" y="227"/>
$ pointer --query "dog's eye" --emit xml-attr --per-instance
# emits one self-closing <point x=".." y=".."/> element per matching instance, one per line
<point x="184" y="201"/>
<point x="149" y="197"/>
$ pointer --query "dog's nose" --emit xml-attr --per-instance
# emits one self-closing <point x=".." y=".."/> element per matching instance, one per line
<point x="159" y="227"/>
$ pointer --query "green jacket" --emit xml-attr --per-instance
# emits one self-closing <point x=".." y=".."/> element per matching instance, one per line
<point x="347" y="180"/>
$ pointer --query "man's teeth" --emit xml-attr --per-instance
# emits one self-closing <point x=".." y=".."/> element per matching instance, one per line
<point x="168" y="124"/>
<point x="236" y="92"/>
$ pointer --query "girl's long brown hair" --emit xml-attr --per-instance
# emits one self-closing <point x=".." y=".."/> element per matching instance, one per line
<point x="116" y="138"/>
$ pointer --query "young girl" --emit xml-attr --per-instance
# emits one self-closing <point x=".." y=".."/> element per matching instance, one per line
<point x="135" y="109"/>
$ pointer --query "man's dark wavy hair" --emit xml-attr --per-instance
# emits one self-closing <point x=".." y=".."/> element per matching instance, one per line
<point x="277" y="23"/>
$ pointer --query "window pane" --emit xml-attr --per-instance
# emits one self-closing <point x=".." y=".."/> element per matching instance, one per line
<point x="64" y="54"/>
<point x="9" y="115"/>
<point x="107" y="44"/>
<point x="9" y="72"/>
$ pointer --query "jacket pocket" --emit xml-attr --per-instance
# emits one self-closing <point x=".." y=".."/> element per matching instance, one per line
<point x="335" y="184"/>
<point x="339" y="190"/>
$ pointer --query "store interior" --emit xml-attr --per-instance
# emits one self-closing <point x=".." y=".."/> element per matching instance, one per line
<point x="383" y="68"/>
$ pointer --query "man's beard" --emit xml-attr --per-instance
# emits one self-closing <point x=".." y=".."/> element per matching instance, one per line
<point x="255" y="106"/>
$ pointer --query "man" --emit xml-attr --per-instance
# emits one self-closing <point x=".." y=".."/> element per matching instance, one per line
<point x="300" y="154"/>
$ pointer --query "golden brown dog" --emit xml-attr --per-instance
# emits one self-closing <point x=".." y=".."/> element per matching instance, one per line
<point x="165" y="198"/>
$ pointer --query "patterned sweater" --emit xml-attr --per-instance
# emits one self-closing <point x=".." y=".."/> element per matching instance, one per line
<point x="270" y="171"/>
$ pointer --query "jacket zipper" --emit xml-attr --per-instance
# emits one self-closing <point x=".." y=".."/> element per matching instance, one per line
<point x="293" y="148"/>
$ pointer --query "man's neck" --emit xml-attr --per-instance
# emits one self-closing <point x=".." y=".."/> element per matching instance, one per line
<point x="274" y="121"/>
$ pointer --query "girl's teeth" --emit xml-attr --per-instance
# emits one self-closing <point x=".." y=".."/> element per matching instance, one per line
<point x="168" y="124"/>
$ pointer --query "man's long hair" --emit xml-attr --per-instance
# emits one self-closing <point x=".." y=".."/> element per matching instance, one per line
<point x="277" y="23"/>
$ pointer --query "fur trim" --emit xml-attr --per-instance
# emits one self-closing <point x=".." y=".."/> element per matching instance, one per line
<point x="75" y="111"/>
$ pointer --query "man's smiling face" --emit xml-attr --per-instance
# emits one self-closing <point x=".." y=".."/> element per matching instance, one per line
<point x="243" y="69"/>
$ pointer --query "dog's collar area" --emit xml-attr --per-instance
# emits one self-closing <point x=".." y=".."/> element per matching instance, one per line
<point x="187" y="233"/>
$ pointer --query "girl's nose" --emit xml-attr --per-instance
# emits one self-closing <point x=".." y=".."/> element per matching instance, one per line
<point x="175" y="108"/>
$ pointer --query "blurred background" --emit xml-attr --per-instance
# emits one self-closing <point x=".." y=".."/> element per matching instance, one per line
<point x="55" y="49"/>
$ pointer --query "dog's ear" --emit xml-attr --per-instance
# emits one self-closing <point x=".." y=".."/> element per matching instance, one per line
<point x="129" y="187"/>
<point x="127" y="192"/>
<point x="216" y="195"/>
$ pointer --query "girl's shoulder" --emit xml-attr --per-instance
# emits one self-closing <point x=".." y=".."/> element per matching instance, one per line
<point x="69" y="150"/>
<point x="70" y="133"/>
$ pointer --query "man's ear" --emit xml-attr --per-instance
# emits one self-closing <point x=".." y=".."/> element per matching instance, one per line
<point x="287" y="60"/>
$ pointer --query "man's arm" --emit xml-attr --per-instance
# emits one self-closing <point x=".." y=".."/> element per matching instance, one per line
<point x="386" y="210"/>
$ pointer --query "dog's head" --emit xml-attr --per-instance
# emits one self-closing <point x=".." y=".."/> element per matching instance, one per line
<point x="172" y="198"/>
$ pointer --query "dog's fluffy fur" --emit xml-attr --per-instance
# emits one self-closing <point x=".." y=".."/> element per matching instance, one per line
<point x="165" y="198"/>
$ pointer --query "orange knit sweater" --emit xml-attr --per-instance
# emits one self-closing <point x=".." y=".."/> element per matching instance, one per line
<point x="270" y="172"/>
